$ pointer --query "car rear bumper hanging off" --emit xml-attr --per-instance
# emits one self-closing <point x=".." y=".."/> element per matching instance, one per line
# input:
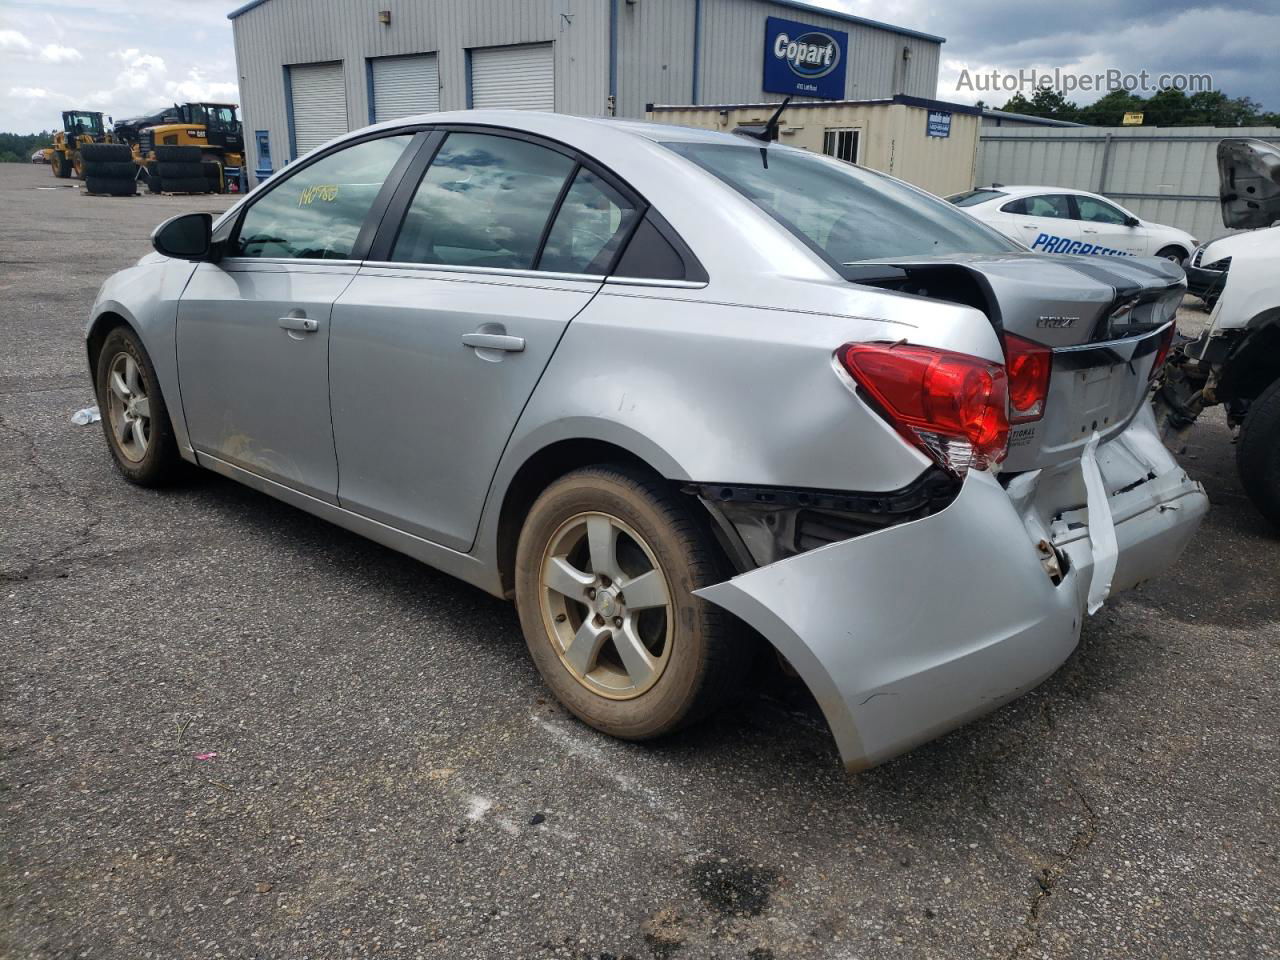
<point x="907" y="632"/>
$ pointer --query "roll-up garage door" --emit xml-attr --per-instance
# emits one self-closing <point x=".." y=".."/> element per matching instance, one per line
<point x="319" y="104"/>
<point x="403" y="86"/>
<point x="514" y="78"/>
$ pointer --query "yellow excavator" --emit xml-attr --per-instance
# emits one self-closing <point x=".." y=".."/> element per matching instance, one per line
<point x="79" y="127"/>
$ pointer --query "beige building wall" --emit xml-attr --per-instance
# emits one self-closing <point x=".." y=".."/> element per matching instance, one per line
<point x="892" y="136"/>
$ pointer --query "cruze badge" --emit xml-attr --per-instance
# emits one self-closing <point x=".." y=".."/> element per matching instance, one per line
<point x="810" y="56"/>
<point x="1056" y="322"/>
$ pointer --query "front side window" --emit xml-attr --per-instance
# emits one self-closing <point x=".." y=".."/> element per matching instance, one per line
<point x="592" y="221"/>
<point x="1099" y="212"/>
<point x="844" y="212"/>
<point x="317" y="213"/>
<point x="484" y="201"/>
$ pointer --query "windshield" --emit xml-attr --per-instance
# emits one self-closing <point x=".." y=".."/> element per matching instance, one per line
<point x="845" y="213"/>
<point x="221" y="118"/>
<point x="82" y="123"/>
<point x="974" y="197"/>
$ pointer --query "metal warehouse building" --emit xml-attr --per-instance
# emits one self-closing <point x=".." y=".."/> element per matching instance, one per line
<point x="312" y="69"/>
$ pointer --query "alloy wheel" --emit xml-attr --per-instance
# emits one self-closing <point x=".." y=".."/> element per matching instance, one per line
<point x="606" y="605"/>
<point x="128" y="407"/>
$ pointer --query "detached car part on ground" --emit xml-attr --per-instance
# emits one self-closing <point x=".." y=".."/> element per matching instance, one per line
<point x="655" y="383"/>
<point x="1236" y="362"/>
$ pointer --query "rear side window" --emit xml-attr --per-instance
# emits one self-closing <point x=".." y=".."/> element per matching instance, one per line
<point x="317" y="213"/>
<point x="484" y="201"/>
<point x="592" y="221"/>
<point x="1052" y="206"/>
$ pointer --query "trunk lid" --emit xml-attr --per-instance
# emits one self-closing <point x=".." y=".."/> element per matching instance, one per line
<point x="1103" y="320"/>
<point x="1249" y="182"/>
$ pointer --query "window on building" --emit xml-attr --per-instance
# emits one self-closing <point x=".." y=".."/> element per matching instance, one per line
<point x="842" y="144"/>
<point x="592" y="221"/>
<point x="485" y="201"/>
<point x="317" y="213"/>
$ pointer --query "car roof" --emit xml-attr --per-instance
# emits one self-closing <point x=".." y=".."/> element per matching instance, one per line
<point x="1025" y="190"/>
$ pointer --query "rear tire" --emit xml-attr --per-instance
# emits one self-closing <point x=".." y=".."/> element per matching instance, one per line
<point x="113" y="187"/>
<point x="110" y="169"/>
<point x="178" y="154"/>
<point x="1258" y="453"/>
<point x="106" y="152"/>
<point x="175" y="170"/>
<point x="135" y="419"/>
<point x="641" y="551"/>
<point x="184" y="185"/>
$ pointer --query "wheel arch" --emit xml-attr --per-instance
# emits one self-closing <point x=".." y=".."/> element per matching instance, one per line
<point x="1186" y="253"/>
<point x="537" y="471"/>
<point x="99" y="330"/>
<point x="1255" y="363"/>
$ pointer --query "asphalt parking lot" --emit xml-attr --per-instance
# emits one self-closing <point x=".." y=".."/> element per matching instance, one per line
<point x="384" y="773"/>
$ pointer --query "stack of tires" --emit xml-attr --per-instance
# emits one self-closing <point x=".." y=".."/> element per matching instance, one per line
<point x="109" y="169"/>
<point x="213" y="175"/>
<point x="180" y="170"/>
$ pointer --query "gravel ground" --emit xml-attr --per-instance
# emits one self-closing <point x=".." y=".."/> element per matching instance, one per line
<point x="386" y="775"/>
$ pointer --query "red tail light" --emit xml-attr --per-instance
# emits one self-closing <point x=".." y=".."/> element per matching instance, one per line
<point x="1029" y="365"/>
<point x="951" y="405"/>
<point x="1162" y="352"/>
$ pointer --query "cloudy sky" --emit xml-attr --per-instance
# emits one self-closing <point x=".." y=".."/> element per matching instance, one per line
<point x="123" y="56"/>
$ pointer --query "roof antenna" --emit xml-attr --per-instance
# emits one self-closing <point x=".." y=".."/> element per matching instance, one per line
<point x="769" y="132"/>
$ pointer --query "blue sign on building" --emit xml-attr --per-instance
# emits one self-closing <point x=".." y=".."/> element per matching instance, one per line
<point x="803" y="60"/>
<point x="939" y="123"/>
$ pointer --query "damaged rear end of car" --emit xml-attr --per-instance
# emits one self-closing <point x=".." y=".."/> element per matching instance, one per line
<point x="909" y="612"/>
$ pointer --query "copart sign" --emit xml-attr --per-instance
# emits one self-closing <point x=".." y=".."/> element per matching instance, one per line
<point x="804" y="60"/>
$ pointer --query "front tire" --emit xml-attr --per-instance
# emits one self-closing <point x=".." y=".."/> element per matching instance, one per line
<point x="1258" y="453"/>
<point x="1176" y="254"/>
<point x="606" y="566"/>
<point x="135" y="419"/>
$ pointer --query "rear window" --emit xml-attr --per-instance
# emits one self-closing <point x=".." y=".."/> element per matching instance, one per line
<point x="844" y="213"/>
<point x="974" y="197"/>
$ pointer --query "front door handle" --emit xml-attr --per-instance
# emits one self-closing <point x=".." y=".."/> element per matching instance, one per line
<point x="494" y="341"/>
<point x="300" y="324"/>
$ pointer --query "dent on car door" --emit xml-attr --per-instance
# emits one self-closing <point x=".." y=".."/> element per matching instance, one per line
<point x="253" y="328"/>
<point x="439" y="341"/>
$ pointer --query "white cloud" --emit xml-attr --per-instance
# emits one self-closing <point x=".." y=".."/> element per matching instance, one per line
<point x="56" y="53"/>
<point x="12" y="40"/>
<point x="30" y="93"/>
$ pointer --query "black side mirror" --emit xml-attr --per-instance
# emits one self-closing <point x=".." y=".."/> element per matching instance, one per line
<point x="1132" y="222"/>
<point x="185" y="237"/>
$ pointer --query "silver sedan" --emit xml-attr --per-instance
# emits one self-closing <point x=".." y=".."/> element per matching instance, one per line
<point x="672" y="391"/>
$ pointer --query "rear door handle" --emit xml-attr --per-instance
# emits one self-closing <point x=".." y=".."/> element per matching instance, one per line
<point x="300" y="324"/>
<point x="494" y="341"/>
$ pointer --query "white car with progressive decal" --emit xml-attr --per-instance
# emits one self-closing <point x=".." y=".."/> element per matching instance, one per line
<point x="1059" y="220"/>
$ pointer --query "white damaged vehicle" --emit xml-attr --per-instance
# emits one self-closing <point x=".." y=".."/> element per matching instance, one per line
<point x="1236" y="361"/>
<point x="653" y="384"/>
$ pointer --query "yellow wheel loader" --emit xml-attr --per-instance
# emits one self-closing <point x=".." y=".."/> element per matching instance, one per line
<point x="79" y="127"/>
<point x="213" y="127"/>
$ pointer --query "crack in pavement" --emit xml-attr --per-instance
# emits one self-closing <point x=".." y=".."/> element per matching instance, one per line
<point x="82" y="538"/>
<point x="1050" y="876"/>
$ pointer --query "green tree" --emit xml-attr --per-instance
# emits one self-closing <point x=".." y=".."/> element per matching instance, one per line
<point x="1109" y="110"/>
